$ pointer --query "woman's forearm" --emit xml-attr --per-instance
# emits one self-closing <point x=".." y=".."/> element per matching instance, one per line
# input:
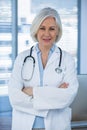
<point x="29" y="90"/>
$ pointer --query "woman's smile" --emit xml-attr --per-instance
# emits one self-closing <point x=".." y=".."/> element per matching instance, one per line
<point x="46" y="40"/>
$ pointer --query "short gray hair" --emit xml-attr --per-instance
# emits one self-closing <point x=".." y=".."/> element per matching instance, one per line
<point x="43" y="14"/>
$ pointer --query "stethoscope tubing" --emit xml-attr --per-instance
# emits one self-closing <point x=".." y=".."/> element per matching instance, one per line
<point x="60" y="61"/>
<point x="30" y="56"/>
<point x="58" y="69"/>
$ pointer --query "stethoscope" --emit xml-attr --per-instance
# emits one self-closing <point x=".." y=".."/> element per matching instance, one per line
<point x="30" y="60"/>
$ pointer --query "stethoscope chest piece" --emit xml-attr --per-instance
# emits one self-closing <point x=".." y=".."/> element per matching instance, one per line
<point x="58" y="70"/>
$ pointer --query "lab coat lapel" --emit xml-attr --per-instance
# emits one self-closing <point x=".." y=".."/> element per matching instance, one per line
<point x="54" y="56"/>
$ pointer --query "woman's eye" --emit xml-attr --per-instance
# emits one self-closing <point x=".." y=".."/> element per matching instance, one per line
<point x="52" y="28"/>
<point x="42" y="28"/>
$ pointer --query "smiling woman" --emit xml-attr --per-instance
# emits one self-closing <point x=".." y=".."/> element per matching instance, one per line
<point x="27" y="9"/>
<point x="39" y="100"/>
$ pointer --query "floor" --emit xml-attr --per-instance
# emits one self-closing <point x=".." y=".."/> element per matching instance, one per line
<point x="5" y="124"/>
<point x="80" y="129"/>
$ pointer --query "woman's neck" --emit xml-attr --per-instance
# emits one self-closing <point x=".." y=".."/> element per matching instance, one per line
<point x="44" y="49"/>
<point x="44" y="54"/>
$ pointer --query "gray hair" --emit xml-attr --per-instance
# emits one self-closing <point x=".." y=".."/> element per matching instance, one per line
<point x="43" y="14"/>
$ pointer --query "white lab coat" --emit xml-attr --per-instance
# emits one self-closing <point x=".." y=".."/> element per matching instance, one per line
<point x="48" y="101"/>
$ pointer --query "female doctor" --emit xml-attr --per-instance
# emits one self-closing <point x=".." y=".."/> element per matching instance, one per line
<point x="44" y="81"/>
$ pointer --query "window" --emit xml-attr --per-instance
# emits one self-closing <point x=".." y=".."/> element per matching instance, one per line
<point x="5" y="42"/>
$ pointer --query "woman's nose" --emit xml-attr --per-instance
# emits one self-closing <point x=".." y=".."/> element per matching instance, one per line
<point x="47" y="32"/>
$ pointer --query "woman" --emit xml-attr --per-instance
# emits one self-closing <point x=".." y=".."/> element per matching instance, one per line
<point x="44" y="81"/>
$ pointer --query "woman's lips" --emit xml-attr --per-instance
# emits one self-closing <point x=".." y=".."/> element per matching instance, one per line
<point x="47" y="40"/>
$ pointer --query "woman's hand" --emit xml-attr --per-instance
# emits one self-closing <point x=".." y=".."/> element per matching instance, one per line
<point x="28" y="91"/>
<point x="64" y="85"/>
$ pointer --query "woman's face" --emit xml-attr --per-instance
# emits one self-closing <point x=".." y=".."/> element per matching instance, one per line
<point x="47" y="32"/>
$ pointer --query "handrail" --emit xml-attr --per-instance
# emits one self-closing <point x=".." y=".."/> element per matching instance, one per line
<point x="79" y="124"/>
